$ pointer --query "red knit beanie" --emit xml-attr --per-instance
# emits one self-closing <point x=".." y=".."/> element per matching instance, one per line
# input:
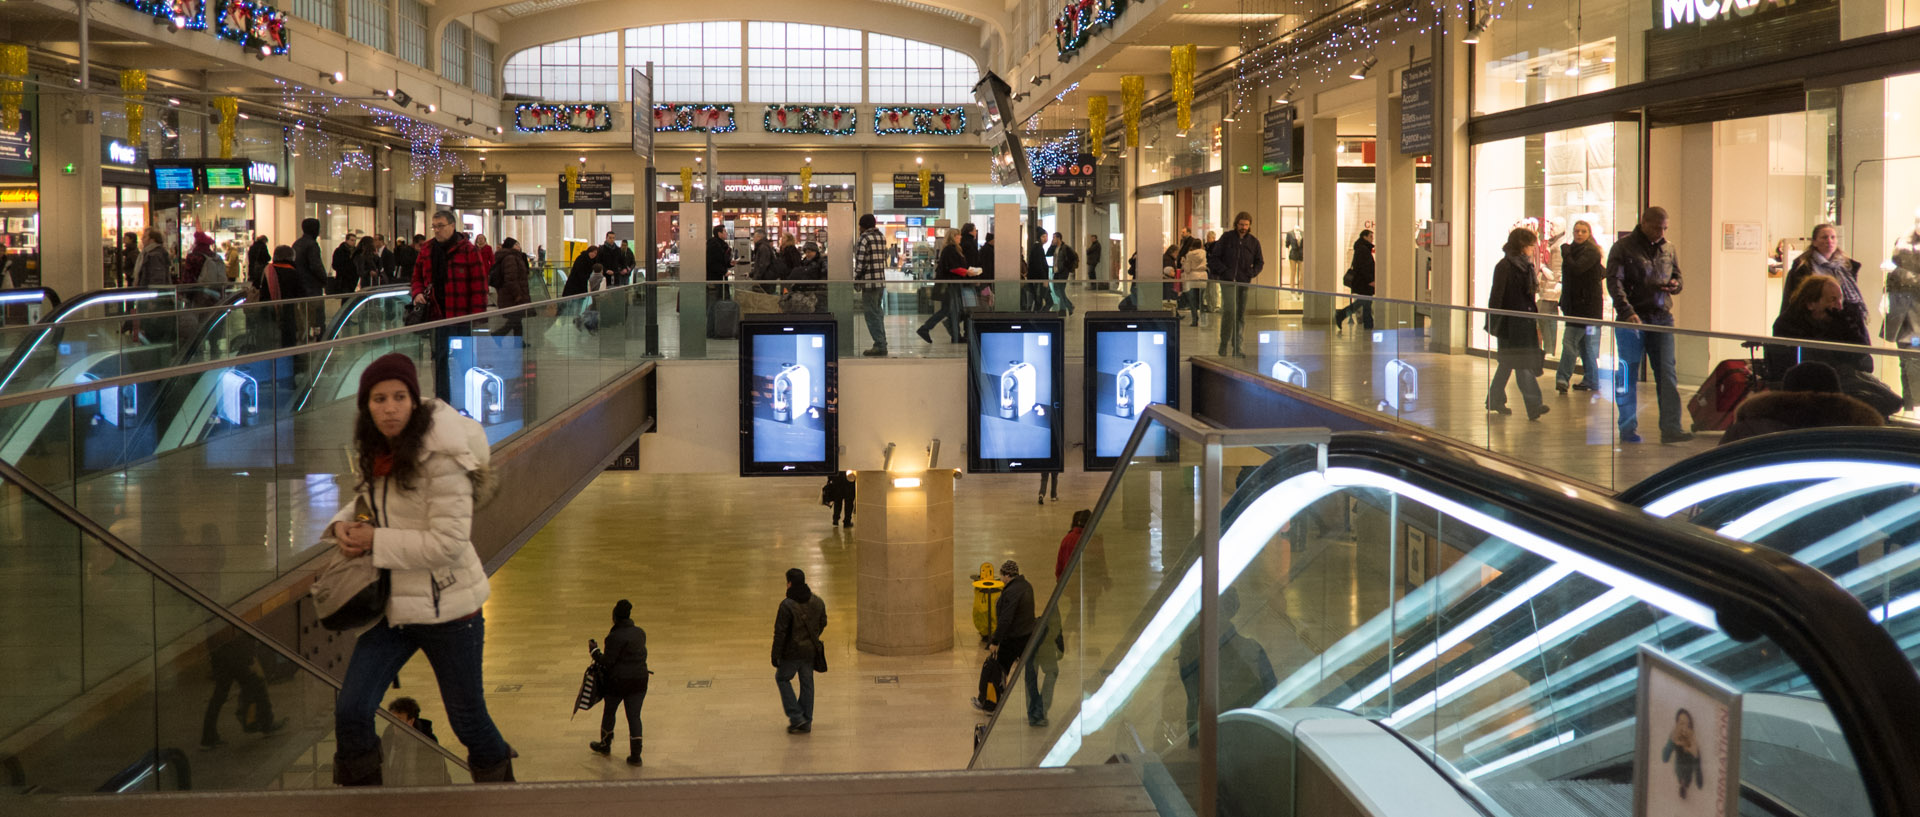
<point x="392" y="366"/>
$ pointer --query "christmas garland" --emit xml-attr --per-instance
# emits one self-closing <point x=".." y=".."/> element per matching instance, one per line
<point x="827" y="120"/>
<point x="252" y="24"/>
<point x="919" y="121"/>
<point x="542" y="117"/>
<point x="1079" y="20"/>
<point x="191" y="13"/>
<point x="695" y="118"/>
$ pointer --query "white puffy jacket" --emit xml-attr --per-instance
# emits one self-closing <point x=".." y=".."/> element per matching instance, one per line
<point x="424" y="534"/>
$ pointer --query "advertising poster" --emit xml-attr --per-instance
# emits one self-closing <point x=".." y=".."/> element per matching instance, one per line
<point x="487" y="382"/>
<point x="1015" y="366"/>
<point x="789" y="397"/>
<point x="1687" y="742"/>
<point x="1271" y="356"/>
<point x="1133" y="361"/>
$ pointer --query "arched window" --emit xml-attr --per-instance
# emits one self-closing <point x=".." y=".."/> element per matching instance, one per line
<point x="780" y="63"/>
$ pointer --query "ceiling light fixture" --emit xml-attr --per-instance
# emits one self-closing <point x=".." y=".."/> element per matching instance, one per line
<point x="334" y="78"/>
<point x="1039" y="78"/>
<point x="1361" y="72"/>
<point x="400" y="98"/>
<point x="1477" y="28"/>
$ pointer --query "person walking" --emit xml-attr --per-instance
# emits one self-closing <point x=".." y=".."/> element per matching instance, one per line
<point x="156" y="264"/>
<point x="1037" y="297"/>
<point x="345" y="275"/>
<point x="233" y="659"/>
<point x="284" y="282"/>
<point x="385" y="276"/>
<point x="450" y="278"/>
<point x="1049" y="484"/>
<point x="1094" y="253"/>
<point x="202" y="264"/>
<point x="307" y="259"/>
<point x="870" y="269"/>
<point x="485" y="249"/>
<point x="1066" y="262"/>
<point x="1235" y="261"/>
<point x="414" y="464"/>
<point x="797" y="626"/>
<point x="1515" y="289"/>
<point x="838" y="493"/>
<point x="366" y="263"/>
<point x="624" y="666"/>
<point x="1013" y="626"/>
<point x="951" y="266"/>
<point x="1643" y="275"/>
<point x="1359" y="280"/>
<point x="403" y="257"/>
<point x="259" y="257"/>
<point x="1193" y="274"/>
<point x="1581" y="288"/>
<point x="513" y="271"/>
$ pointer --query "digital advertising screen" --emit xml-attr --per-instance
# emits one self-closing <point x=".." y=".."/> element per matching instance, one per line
<point x="227" y="178"/>
<point x="789" y="396"/>
<point x="174" y="178"/>
<point x="1016" y="369"/>
<point x="1396" y="379"/>
<point x="1133" y="361"/>
<point x="489" y="383"/>
<point x="1271" y="356"/>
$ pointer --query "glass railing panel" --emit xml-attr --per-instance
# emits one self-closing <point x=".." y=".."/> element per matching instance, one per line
<point x="118" y="682"/>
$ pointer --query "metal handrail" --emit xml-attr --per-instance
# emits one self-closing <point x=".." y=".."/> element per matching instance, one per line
<point x="11" y="474"/>
<point x="1889" y="445"/>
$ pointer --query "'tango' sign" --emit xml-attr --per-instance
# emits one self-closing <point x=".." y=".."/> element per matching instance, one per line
<point x="1702" y="12"/>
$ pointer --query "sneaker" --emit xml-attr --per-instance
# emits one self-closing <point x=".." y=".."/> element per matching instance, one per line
<point x="981" y="705"/>
<point x="875" y="352"/>
<point x="1678" y="437"/>
<point x="1501" y="410"/>
<point x="1560" y="386"/>
<point x="1041" y="723"/>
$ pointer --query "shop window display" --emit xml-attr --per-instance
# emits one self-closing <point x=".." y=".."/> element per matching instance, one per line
<point x="1554" y="49"/>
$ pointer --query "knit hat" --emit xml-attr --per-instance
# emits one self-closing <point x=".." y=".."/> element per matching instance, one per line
<point x="393" y="366"/>
<point x="1010" y="568"/>
<point x="622" y="610"/>
<point x="1811" y="376"/>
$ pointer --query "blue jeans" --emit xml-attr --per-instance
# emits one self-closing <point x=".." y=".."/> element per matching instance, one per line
<point x="800" y="709"/>
<point x="1040" y="693"/>
<point x="1656" y="348"/>
<point x="1574" y="341"/>
<point x="873" y="301"/>
<point x="1060" y="296"/>
<point x="454" y="649"/>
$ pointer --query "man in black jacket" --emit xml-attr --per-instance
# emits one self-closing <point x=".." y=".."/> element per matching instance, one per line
<point x="1235" y="259"/>
<point x="1066" y="262"/>
<point x="1013" y="627"/>
<point x="312" y="271"/>
<point x="796" y="648"/>
<point x="345" y="277"/>
<point x="1361" y="284"/>
<point x="1643" y="275"/>
<point x="403" y="258"/>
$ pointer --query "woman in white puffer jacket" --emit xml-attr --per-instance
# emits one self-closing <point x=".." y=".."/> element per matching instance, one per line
<point x="421" y="465"/>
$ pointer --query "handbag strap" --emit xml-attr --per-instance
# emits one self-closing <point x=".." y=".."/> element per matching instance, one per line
<point x="799" y="614"/>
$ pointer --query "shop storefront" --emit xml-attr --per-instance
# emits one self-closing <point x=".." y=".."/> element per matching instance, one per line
<point x="126" y="194"/>
<point x="19" y="206"/>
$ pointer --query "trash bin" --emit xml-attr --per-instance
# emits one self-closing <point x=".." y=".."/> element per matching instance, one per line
<point x="986" y="592"/>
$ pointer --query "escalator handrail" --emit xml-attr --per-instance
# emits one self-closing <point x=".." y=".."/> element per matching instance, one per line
<point x="1898" y="446"/>
<point x="47" y="295"/>
<point x="68" y="390"/>
<point x="52" y="502"/>
<point x="1865" y="680"/>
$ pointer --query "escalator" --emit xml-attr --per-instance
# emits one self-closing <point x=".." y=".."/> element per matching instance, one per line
<point x="1402" y="625"/>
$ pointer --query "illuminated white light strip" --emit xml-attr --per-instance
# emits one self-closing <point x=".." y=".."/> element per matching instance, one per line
<point x="1770" y="474"/>
<point x="1517" y="651"/>
<point x="1554" y="742"/>
<point x="117" y="297"/>
<point x="1896" y="608"/>
<point x="22" y="297"/>
<point x="1661" y="597"/>
<point x="1459" y="635"/>
<point x="1788" y="509"/>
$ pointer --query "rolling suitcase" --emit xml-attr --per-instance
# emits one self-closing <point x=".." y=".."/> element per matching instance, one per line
<point x="724" y="320"/>
<point x="1731" y="383"/>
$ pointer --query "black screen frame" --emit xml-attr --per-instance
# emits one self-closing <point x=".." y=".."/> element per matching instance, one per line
<point x="1000" y="323"/>
<point x="752" y="326"/>
<point x="1096" y="323"/>
<point x="204" y="179"/>
<point x="153" y="176"/>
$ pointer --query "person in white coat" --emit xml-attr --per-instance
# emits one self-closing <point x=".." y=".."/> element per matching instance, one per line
<point x="421" y="468"/>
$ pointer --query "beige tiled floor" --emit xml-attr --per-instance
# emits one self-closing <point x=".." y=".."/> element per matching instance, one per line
<point x="702" y="559"/>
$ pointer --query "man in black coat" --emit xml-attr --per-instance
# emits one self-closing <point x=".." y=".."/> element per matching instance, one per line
<point x="403" y="258"/>
<point x="1011" y="631"/>
<point x="345" y="277"/>
<point x="625" y="665"/>
<point x="582" y="273"/>
<point x="1362" y="279"/>
<point x="1235" y="259"/>
<point x="796" y="641"/>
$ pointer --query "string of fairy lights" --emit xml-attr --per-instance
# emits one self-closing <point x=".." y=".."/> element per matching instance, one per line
<point x="311" y="109"/>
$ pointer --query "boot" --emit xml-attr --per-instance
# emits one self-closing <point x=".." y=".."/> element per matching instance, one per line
<point x="501" y="772"/>
<point x="633" y="755"/>
<point x="359" y="770"/>
<point x="605" y="744"/>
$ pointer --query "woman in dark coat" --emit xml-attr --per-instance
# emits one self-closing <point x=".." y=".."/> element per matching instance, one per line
<point x="1514" y="289"/>
<point x="1823" y="257"/>
<point x="1583" y="272"/>
<point x="366" y="262"/>
<point x="1363" y="278"/>
<point x="259" y="257"/>
<point x="1817" y="311"/>
<point x="624" y="665"/>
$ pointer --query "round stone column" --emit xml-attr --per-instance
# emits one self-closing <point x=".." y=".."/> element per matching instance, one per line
<point x="903" y="527"/>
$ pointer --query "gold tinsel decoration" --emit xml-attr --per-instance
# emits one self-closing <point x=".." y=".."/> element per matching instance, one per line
<point x="572" y="174"/>
<point x="1183" y="86"/>
<point x="229" y="108"/>
<point x="133" y="84"/>
<point x="13" y="63"/>
<point x="686" y="184"/>
<point x="926" y="186"/>
<point x="1133" y="91"/>
<point x="806" y="183"/>
<point x="1097" y="125"/>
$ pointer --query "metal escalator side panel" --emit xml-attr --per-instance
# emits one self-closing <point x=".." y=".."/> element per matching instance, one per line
<point x="1357" y="762"/>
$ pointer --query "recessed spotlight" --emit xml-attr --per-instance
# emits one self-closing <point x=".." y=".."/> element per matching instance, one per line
<point x="173" y="102"/>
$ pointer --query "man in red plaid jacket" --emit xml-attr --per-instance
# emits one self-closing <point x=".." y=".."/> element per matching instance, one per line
<point x="449" y="273"/>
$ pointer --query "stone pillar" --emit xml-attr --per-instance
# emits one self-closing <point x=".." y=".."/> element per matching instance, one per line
<point x="693" y="275"/>
<point x="1324" y="257"/>
<point x="1249" y="191"/>
<point x="1149" y="236"/>
<point x="556" y="227"/>
<point x="1008" y="246"/>
<point x="1129" y="211"/>
<point x="905" y="541"/>
<point x="71" y="259"/>
<point x="842" y="233"/>
<point x="1393" y="178"/>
